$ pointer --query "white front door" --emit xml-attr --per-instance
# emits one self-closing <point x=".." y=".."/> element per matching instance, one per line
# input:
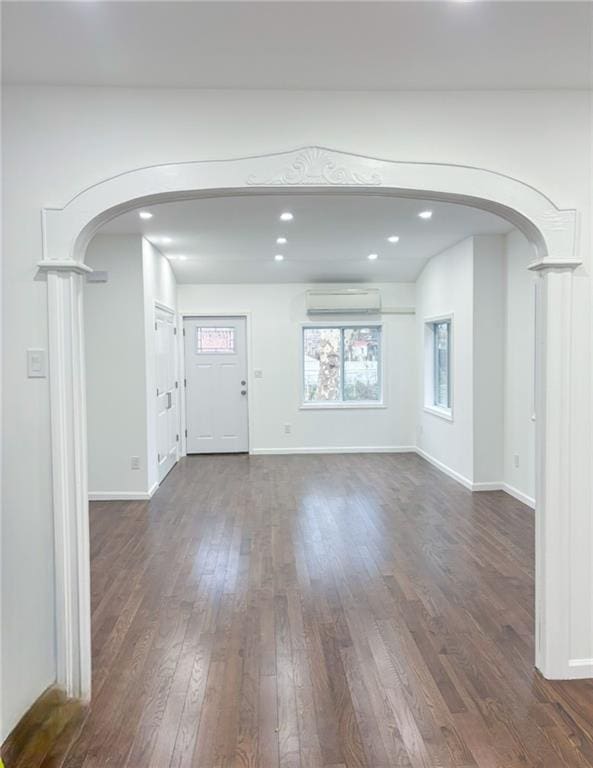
<point x="216" y="385"/>
<point x="166" y="392"/>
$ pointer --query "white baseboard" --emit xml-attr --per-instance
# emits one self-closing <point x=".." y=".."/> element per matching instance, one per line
<point x="119" y="496"/>
<point x="337" y="449"/>
<point x="519" y="495"/>
<point x="477" y="487"/>
<point x="123" y="495"/>
<point x="490" y="486"/>
<point x="466" y="482"/>
<point x="580" y="669"/>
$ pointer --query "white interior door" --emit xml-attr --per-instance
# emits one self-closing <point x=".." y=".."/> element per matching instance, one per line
<point x="166" y="393"/>
<point x="216" y="385"/>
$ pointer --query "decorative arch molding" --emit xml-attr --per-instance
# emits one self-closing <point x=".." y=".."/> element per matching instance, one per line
<point x="551" y="230"/>
<point x="68" y="230"/>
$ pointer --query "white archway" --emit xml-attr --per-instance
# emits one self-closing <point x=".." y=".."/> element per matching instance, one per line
<point x="67" y="231"/>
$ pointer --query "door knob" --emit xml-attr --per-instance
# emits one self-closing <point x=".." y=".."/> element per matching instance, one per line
<point x="243" y="391"/>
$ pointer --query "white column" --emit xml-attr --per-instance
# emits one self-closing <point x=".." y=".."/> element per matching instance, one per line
<point x="65" y="282"/>
<point x="553" y="497"/>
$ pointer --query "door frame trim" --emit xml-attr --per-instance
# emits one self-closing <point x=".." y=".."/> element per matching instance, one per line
<point x="248" y="356"/>
<point x="165" y="308"/>
<point x="160" y="306"/>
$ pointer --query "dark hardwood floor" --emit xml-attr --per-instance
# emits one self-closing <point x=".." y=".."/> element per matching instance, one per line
<point x="335" y="611"/>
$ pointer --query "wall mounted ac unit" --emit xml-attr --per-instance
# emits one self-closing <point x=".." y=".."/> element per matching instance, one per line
<point x="344" y="301"/>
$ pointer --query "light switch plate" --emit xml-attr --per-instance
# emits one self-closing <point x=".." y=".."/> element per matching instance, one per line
<point x="258" y="373"/>
<point x="36" y="364"/>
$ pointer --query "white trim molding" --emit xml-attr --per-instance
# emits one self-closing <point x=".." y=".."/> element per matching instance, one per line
<point x="452" y="473"/>
<point x="123" y="495"/>
<point x="334" y="449"/>
<point x="481" y="487"/>
<point x="553" y="391"/>
<point x="580" y="668"/>
<point x="69" y="473"/>
<point x="64" y="265"/>
<point x="342" y="405"/>
<point x="552" y="232"/>
<point x="446" y="470"/>
<point x="442" y="413"/>
<point x="477" y="487"/>
<point x="529" y="501"/>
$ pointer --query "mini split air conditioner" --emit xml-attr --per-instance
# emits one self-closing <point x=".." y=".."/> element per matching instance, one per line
<point x="344" y="301"/>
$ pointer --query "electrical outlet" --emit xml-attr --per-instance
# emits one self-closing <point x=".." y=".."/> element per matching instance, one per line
<point x="135" y="462"/>
<point x="516" y="460"/>
<point x="287" y="429"/>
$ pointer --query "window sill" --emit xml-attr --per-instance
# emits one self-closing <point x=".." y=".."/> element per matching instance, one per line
<point x="340" y="406"/>
<point x="442" y="413"/>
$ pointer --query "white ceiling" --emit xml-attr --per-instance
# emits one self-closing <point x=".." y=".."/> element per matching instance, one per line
<point x="300" y="45"/>
<point x="233" y="239"/>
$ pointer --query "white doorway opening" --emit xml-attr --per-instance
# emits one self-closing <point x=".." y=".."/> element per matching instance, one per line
<point x="562" y="643"/>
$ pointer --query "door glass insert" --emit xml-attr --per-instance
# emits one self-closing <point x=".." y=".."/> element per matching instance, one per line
<point x="215" y="341"/>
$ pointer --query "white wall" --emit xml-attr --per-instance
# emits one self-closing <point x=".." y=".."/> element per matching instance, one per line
<point x="488" y="362"/>
<point x="519" y="425"/>
<point x="159" y="279"/>
<point x="121" y="363"/>
<point x="485" y="284"/>
<point x="277" y="313"/>
<point x="115" y="367"/>
<point x="58" y="141"/>
<point x="445" y="287"/>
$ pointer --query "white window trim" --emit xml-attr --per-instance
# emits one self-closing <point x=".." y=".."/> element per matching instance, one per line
<point x="341" y="405"/>
<point x="428" y="395"/>
<point x="443" y="413"/>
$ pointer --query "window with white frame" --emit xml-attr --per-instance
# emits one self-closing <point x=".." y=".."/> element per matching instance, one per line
<point x="437" y="390"/>
<point x="342" y="364"/>
<point x="442" y="355"/>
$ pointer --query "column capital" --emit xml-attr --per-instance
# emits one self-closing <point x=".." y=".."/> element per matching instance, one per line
<point x="63" y="265"/>
<point x="550" y="263"/>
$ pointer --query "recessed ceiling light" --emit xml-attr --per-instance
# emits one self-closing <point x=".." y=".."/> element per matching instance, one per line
<point x="281" y="240"/>
<point x="393" y="238"/>
<point x="425" y="214"/>
<point x="145" y="215"/>
<point x="373" y="256"/>
<point x="286" y="216"/>
<point x="278" y="257"/>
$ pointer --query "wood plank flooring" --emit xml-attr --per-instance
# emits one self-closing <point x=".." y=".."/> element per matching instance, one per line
<point x="320" y="612"/>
